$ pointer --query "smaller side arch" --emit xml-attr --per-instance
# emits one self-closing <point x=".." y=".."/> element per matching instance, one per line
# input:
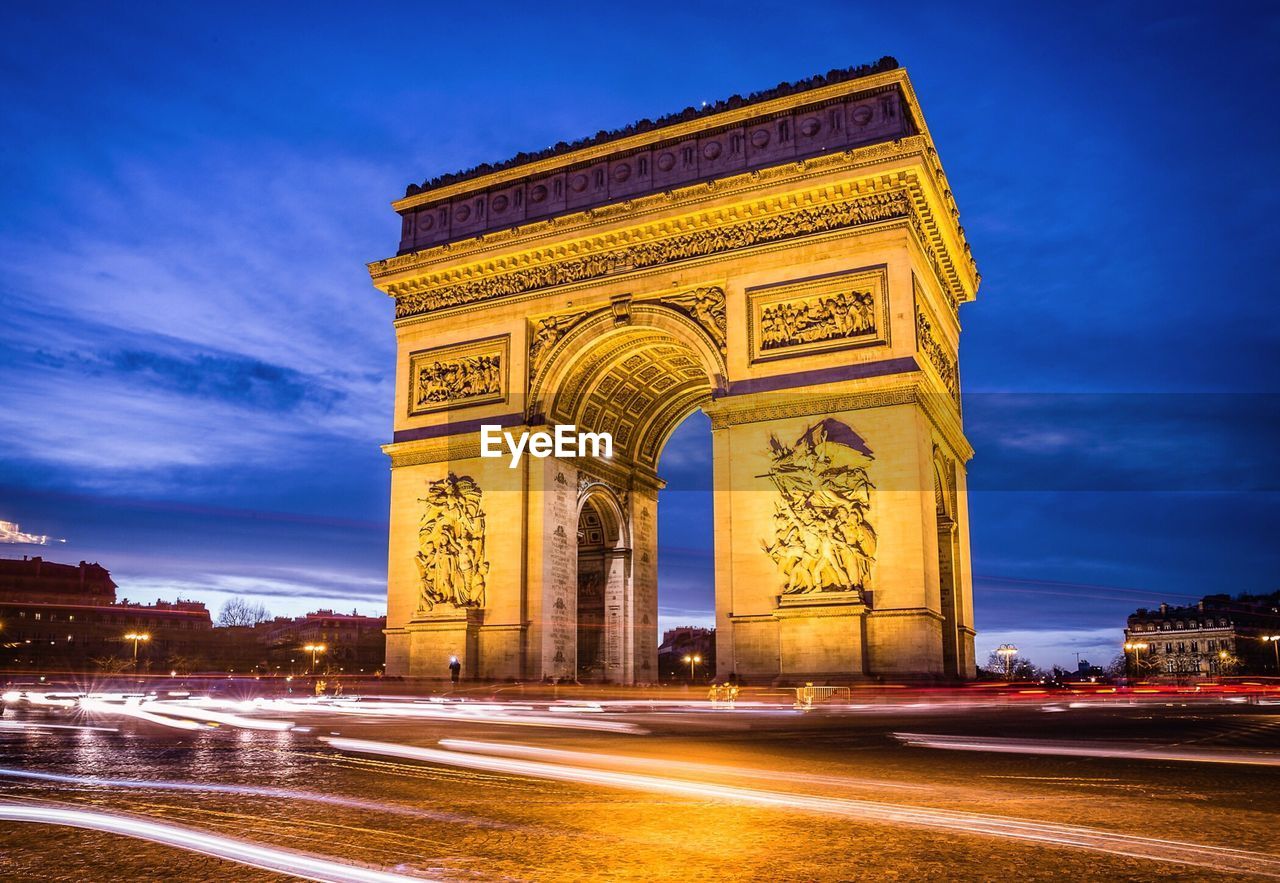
<point x="612" y="511"/>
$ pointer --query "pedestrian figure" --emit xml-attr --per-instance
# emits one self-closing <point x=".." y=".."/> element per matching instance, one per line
<point x="455" y="669"/>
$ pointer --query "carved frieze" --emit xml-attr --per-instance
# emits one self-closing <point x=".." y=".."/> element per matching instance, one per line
<point x="823" y="539"/>
<point x="822" y="218"/>
<point x="818" y="315"/>
<point x="452" y="566"/>
<point x="458" y="375"/>
<point x="938" y="354"/>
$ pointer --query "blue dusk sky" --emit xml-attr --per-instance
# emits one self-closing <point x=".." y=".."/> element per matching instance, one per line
<point x="197" y="374"/>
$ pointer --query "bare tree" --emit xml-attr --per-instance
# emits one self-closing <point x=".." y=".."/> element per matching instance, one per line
<point x="1020" y="668"/>
<point x="112" y="665"/>
<point x="242" y="611"/>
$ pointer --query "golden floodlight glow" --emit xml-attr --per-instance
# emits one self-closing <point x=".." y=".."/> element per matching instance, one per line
<point x="804" y="294"/>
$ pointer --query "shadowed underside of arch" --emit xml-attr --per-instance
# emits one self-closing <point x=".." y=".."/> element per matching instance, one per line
<point x="638" y="386"/>
<point x="636" y="382"/>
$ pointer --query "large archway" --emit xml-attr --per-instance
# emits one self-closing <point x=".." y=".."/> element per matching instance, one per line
<point x="791" y="265"/>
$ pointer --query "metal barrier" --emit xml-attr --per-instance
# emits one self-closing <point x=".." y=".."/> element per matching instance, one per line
<point x="807" y="695"/>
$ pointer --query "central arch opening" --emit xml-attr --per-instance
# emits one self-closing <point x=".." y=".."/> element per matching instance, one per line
<point x="686" y="554"/>
<point x="639" y="380"/>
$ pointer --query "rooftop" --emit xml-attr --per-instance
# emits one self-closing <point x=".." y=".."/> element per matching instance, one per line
<point x="836" y="75"/>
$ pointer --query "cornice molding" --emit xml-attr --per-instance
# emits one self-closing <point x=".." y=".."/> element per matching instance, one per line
<point x="713" y="233"/>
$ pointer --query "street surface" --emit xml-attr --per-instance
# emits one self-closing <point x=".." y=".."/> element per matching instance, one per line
<point x="509" y="786"/>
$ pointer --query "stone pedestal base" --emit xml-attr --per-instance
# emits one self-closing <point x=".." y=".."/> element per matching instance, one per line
<point x="904" y="644"/>
<point x="432" y="639"/>
<point x="821" y="637"/>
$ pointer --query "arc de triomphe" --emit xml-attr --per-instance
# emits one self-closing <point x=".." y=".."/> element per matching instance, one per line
<point x="790" y="263"/>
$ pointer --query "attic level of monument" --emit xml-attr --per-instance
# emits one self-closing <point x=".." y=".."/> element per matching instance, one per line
<point x="875" y="106"/>
<point x="832" y="77"/>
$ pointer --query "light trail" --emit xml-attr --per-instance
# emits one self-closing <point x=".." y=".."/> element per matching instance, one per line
<point x="999" y="745"/>
<point x="1217" y="858"/>
<point x="39" y="725"/>
<point x="664" y="765"/>
<point x="194" y="840"/>
<point x="126" y="709"/>
<point x="52" y="700"/>
<point x="247" y="790"/>
<point x="460" y="712"/>
<point x="181" y="709"/>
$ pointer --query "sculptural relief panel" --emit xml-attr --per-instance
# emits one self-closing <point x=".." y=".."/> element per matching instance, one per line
<point x="458" y="375"/>
<point x="819" y="315"/>
<point x="451" y="560"/>
<point x="823" y="538"/>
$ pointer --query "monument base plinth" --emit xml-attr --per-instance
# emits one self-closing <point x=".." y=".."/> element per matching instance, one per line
<point x="435" y="637"/>
<point x="821" y="638"/>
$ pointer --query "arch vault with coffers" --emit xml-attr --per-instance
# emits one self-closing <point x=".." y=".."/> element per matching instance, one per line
<point x="791" y="264"/>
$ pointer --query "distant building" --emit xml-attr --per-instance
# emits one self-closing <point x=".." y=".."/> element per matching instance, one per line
<point x="1219" y="635"/>
<point x="685" y="641"/>
<point x="1085" y="672"/>
<point x="34" y="579"/>
<point x="63" y="617"/>
<point x="354" y="644"/>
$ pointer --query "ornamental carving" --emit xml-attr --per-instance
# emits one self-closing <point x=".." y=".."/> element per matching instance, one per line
<point x="706" y="306"/>
<point x="547" y="333"/>
<point x="818" y="315"/>
<point x="939" y="356"/>
<point x="451" y="558"/>
<point x="823" y="539"/>
<point x="825" y="218"/>
<point x="457" y="376"/>
<point x="817" y="319"/>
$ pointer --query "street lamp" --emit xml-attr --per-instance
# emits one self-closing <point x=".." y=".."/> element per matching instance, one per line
<point x="692" y="661"/>
<point x="136" y="637"/>
<point x="1008" y="651"/>
<point x="1274" y="641"/>
<point x="313" y="649"/>
<point x="1137" y="647"/>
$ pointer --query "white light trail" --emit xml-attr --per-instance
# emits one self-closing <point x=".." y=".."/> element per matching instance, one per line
<point x="1217" y="858"/>
<point x="195" y="840"/>
<point x="126" y="709"/>
<point x="181" y="709"/>
<point x="53" y="700"/>
<point x="40" y="725"/>
<point x="247" y="790"/>
<point x="1083" y="749"/>
<point x="662" y="765"/>
<point x="460" y="712"/>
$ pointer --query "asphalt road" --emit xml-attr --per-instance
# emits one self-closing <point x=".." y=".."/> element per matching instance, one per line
<point x="1177" y="788"/>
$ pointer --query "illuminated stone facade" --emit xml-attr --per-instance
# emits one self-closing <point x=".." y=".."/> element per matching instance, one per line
<point x="793" y="266"/>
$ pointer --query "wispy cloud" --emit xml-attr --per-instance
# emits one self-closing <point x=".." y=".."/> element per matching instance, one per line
<point x="10" y="533"/>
